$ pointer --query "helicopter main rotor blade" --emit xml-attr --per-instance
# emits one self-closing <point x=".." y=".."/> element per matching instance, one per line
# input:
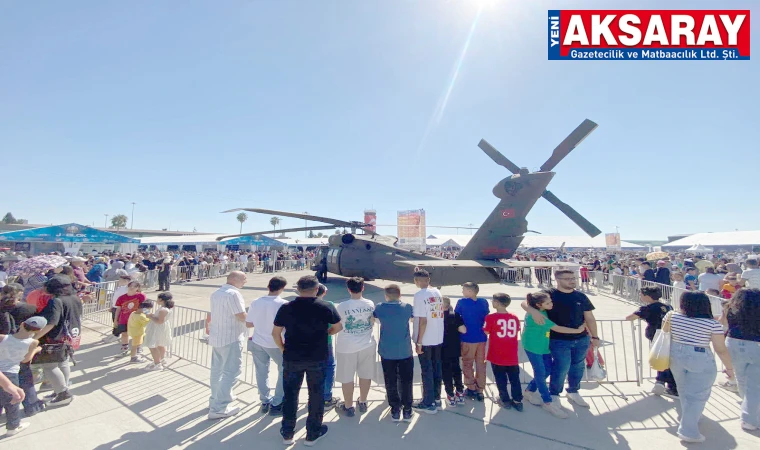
<point x="571" y="141"/>
<point x="572" y="214"/>
<point x="287" y="230"/>
<point x="340" y="223"/>
<point x="497" y="157"/>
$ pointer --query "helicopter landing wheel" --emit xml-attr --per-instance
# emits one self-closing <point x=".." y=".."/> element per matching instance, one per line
<point x="321" y="276"/>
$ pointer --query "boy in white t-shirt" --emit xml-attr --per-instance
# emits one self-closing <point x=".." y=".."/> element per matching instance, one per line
<point x="428" y="339"/>
<point x="355" y="347"/>
<point x="261" y="344"/>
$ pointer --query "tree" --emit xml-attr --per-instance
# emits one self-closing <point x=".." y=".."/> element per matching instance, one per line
<point x="311" y="234"/>
<point x="320" y="234"/>
<point x="119" y="221"/>
<point x="274" y="221"/>
<point x="242" y="217"/>
<point x="9" y="219"/>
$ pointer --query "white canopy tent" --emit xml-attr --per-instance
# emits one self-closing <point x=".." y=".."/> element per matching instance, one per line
<point x="728" y="239"/>
<point x="699" y="249"/>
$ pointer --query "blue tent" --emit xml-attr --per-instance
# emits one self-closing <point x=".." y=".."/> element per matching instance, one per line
<point x="259" y="240"/>
<point x="70" y="232"/>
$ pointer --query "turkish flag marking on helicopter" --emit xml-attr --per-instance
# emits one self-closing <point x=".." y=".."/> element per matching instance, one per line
<point x="508" y="213"/>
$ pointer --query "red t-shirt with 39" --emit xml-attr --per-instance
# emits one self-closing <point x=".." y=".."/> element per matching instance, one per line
<point x="129" y="304"/>
<point x="503" y="330"/>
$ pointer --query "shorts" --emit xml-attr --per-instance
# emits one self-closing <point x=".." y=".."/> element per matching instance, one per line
<point x="363" y="362"/>
<point x="120" y="328"/>
<point x="137" y="340"/>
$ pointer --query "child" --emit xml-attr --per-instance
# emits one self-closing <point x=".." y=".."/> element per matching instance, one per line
<point x="395" y="349"/>
<point x="536" y="344"/>
<point x="585" y="278"/>
<point x="136" y="325"/>
<point x="502" y="329"/>
<point x="453" y="325"/>
<point x="14" y="350"/>
<point x="126" y="305"/>
<point x="729" y="287"/>
<point x="158" y="334"/>
<point x="121" y="289"/>
<point x="473" y="311"/>
<point x="652" y="313"/>
<point x="330" y="401"/>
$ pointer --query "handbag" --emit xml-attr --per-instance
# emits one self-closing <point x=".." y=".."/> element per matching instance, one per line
<point x="52" y="353"/>
<point x="659" y="354"/>
<point x="595" y="371"/>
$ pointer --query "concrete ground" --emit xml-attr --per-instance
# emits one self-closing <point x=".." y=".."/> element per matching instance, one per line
<point x="120" y="405"/>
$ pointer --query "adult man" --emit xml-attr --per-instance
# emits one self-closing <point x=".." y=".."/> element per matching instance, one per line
<point x="473" y="311"/>
<point x="710" y="280"/>
<point x="227" y="332"/>
<point x="305" y="321"/>
<point x="645" y="272"/>
<point x="355" y="346"/>
<point x="751" y="275"/>
<point x="571" y="309"/>
<point x="702" y="264"/>
<point x="428" y="339"/>
<point x="260" y="317"/>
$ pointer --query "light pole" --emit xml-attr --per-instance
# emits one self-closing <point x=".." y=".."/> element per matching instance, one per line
<point x="106" y="223"/>
<point x="132" y="221"/>
<point x="470" y="225"/>
<point x="306" y="225"/>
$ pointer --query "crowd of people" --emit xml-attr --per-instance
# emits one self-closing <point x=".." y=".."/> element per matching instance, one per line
<point x="324" y="342"/>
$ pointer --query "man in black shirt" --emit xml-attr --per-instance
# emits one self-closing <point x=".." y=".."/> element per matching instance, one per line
<point x="306" y="321"/>
<point x="647" y="274"/>
<point x="571" y="309"/>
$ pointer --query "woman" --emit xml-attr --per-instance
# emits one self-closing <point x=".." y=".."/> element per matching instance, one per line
<point x="743" y="343"/>
<point x="64" y="316"/>
<point x="691" y="360"/>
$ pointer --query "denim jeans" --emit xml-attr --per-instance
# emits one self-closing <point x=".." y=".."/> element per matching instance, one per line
<point x="12" y="412"/>
<point x="398" y="375"/>
<point x="293" y="372"/>
<point x="261" y="358"/>
<point x="26" y="382"/>
<point x="329" y="373"/>
<point x="542" y="367"/>
<point x="695" y="371"/>
<point x="430" y="366"/>
<point x="500" y="375"/>
<point x="226" y="363"/>
<point x="745" y="356"/>
<point x="569" y="359"/>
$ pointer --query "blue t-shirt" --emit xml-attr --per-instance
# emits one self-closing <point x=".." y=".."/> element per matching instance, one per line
<point x="395" y="340"/>
<point x="473" y="314"/>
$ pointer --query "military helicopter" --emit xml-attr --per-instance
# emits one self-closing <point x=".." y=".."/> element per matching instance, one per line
<point x="373" y="256"/>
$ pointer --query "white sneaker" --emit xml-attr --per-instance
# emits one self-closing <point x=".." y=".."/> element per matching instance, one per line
<point x="223" y="415"/>
<point x="658" y="389"/>
<point x="730" y="386"/>
<point x="555" y="410"/>
<point x="576" y="398"/>
<point x="154" y="367"/>
<point x="749" y="427"/>
<point x="693" y="440"/>
<point x="534" y="398"/>
<point x="21" y="427"/>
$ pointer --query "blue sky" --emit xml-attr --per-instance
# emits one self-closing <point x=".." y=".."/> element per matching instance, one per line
<point x="189" y="108"/>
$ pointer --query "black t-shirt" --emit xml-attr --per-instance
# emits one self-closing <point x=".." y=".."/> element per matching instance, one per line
<point x="63" y="312"/>
<point x="652" y="314"/>
<point x="662" y="276"/>
<point x="451" y="336"/>
<point x="568" y="312"/>
<point x="306" y="320"/>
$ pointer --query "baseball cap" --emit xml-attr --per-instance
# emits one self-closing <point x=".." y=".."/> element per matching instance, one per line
<point x="36" y="322"/>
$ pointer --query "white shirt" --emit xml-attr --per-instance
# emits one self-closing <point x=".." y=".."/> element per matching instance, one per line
<point x="709" y="281"/>
<point x="261" y="314"/>
<point x="753" y="278"/>
<point x="243" y="259"/>
<point x="225" y="328"/>
<point x="356" y="317"/>
<point x="429" y="303"/>
<point x="3" y="276"/>
<point x="118" y="292"/>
